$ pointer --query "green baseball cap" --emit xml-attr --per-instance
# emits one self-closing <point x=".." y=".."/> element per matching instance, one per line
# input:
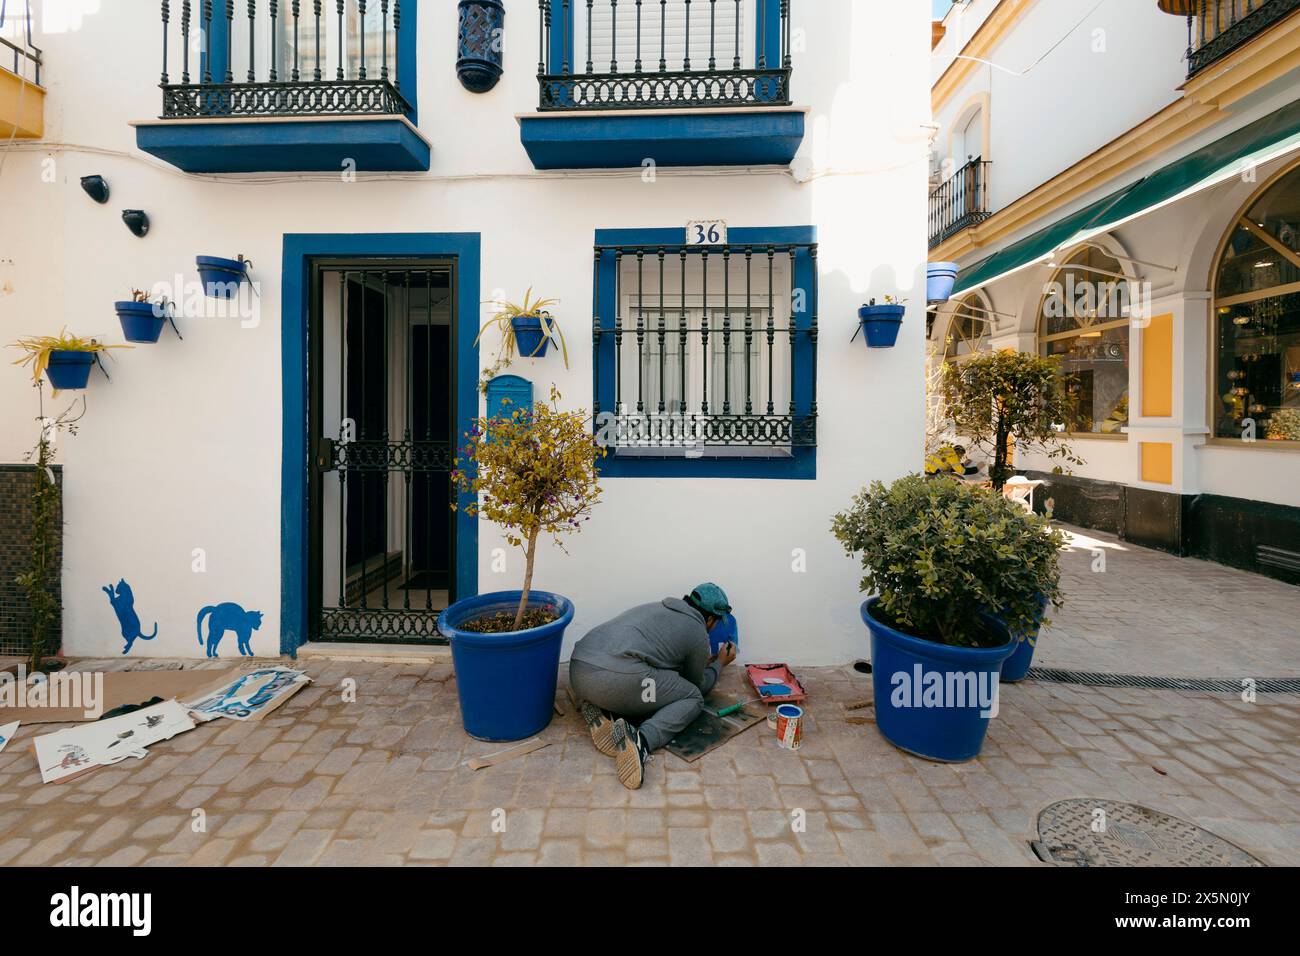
<point x="711" y="599"/>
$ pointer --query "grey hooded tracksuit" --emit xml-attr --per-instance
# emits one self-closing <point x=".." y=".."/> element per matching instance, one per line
<point x="650" y="662"/>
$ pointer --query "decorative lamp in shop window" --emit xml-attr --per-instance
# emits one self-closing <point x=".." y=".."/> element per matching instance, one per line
<point x="478" y="52"/>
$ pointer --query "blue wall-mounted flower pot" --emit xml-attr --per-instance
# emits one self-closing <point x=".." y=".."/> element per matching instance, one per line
<point x="479" y="44"/>
<point x="221" y="277"/>
<point x="506" y="682"/>
<point x="531" y="341"/>
<point x="939" y="280"/>
<point x="880" y="324"/>
<point x="901" y="669"/>
<point x="1017" y="665"/>
<point x="69" y="370"/>
<point x="139" y="321"/>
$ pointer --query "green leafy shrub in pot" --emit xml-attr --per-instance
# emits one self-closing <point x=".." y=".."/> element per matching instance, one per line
<point x="942" y="552"/>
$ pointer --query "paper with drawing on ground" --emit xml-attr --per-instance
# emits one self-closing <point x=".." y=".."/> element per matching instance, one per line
<point x="252" y="695"/>
<point x="76" y="750"/>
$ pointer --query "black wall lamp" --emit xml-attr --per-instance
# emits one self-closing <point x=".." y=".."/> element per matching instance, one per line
<point x="96" y="188"/>
<point x="136" y="221"/>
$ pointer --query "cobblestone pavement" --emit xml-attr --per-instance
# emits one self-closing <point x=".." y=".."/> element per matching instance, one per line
<point x="1156" y="614"/>
<point x="382" y="781"/>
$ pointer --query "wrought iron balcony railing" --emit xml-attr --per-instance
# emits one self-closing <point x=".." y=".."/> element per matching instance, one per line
<point x="705" y="353"/>
<point x="22" y="58"/>
<point x="961" y="201"/>
<point x="293" y="58"/>
<point x="1217" y="27"/>
<point x="662" y="54"/>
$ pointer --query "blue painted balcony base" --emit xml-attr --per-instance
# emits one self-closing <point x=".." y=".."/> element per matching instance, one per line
<point x="756" y="137"/>
<point x="376" y="144"/>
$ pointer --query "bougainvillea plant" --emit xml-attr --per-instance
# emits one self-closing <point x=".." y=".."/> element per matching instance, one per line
<point x="532" y="472"/>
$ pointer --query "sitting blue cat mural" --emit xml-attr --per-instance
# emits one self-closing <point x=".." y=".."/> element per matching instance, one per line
<point x="123" y="601"/>
<point x="228" y="617"/>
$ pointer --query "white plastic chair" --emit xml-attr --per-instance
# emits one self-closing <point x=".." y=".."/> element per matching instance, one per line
<point x="1021" y="490"/>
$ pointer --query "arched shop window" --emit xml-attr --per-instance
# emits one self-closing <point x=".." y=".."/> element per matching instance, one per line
<point x="968" y="329"/>
<point x="1083" y="323"/>
<point x="1256" y="390"/>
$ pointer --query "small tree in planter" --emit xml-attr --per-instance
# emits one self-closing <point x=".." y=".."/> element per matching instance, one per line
<point x="958" y="570"/>
<point x="532" y="473"/>
<point x="996" y="398"/>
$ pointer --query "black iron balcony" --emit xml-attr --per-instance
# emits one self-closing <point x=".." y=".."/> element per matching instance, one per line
<point x="960" y="202"/>
<point x="1217" y="27"/>
<point x="657" y="54"/>
<point x="26" y="56"/>
<point x="282" y="59"/>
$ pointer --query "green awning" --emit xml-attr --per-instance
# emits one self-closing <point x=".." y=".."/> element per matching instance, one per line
<point x="1227" y="158"/>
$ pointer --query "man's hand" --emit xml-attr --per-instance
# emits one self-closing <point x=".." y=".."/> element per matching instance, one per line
<point x="726" y="654"/>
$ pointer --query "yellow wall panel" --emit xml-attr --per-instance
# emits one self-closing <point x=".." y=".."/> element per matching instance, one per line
<point x="1158" y="462"/>
<point x="1158" y="367"/>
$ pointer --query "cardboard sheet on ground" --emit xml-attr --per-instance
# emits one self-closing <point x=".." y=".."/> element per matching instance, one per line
<point x="75" y="750"/>
<point x="123" y="688"/>
<point x="250" y="696"/>
<point x="7" y="732"/>
<point x="708" y="731"/>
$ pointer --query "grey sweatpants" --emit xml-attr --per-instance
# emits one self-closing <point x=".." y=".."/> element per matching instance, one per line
<point x="673" y="701"/>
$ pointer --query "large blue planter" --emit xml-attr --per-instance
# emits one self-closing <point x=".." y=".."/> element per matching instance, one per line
<point x="939" y="280"/>
<point x="506" y="682"/>
<point x="69" y="370"/>
<point x="221" y="277"/>
<point x="1015" y="667"/>
<point x="139" y="323"/>
<point x="531" y="341"/>
<point x="950" y="728"/>
<point x="880" y="324"/>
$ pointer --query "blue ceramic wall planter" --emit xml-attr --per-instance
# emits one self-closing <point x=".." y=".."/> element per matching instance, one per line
<point x="142" y="322"/>
<point x="880" y="324"/>
<point x="69" y="370"/>
<point x="478" y="49"/>
<point x="506" y="681"/>
<point x="221" y="277"/>
<point x="939" y="280"/>
<point x="531" y="340"/>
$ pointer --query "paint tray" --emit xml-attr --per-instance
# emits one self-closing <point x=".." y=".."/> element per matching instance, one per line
<point x="757" y="674"/>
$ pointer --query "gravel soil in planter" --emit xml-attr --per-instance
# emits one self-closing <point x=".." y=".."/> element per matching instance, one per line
<point x="945" y="726"/>
<point x="506" y="681"/>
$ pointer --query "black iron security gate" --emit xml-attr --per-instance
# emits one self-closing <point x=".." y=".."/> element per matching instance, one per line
<point x="382" y="352"/>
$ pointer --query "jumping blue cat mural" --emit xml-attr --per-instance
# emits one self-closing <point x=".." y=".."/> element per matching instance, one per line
<point x="228" y="617"/>
<point x="123" y="601"/>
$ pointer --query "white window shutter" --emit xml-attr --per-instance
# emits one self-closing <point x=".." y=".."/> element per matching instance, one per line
<point x="728" y="15"/>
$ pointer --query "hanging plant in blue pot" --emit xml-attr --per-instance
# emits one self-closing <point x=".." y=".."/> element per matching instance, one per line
<point x="940" y="553"/>
<point x="525" y="327"/>
<point x="142" y="319"/>
<point x="939" y="279"/>
<point x="64" y="359"/>
<point x="221" y="277"/>
<point x="880" y="323"/>
<point x="479" y="41"/>
<point x="531" y="474"/>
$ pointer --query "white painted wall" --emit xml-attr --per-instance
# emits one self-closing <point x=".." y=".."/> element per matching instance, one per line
<point x="182" y="450"/>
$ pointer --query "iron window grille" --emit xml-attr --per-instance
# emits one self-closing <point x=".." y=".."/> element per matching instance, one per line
<point x="25" y="54"/>
<point x="662" y="54"/>
<point x="962" y="200"/>
<point x="705" y="351"/>
<point x="301" y="58"/>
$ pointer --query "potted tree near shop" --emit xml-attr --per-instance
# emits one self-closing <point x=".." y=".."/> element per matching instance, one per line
<point x="532" y="472"/>
<point x="525" y="327"/>
<point x="957" y="570"/>
<point x="64" y="359"/>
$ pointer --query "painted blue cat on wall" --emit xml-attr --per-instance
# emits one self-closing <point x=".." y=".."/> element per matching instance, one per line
<point x="228" y="617"/>
<point x="123" y="601"/>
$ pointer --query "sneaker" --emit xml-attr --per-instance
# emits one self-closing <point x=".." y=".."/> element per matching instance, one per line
<point x="631" y="753"/>
<point x="601" y="726"/>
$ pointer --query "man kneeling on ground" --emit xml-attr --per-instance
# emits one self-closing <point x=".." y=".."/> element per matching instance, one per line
<point x="652" y="664"/>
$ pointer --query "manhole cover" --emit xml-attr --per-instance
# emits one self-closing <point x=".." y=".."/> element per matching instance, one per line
<point x="1108" y="833"/>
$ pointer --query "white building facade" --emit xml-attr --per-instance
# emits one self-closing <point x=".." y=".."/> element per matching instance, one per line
<point x="388" y="168"/>
<point x="1120" y="185"/>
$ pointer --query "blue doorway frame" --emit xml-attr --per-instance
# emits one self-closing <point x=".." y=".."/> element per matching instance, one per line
<point x="300" y="249"/>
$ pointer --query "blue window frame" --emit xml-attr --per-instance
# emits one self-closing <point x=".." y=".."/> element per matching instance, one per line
<point x="705" y="358"/>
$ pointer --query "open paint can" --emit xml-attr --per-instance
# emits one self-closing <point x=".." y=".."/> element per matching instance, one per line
<point x="789" y="726"/>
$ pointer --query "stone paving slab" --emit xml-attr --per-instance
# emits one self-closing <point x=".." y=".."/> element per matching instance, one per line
<point x="382" y="781"/>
